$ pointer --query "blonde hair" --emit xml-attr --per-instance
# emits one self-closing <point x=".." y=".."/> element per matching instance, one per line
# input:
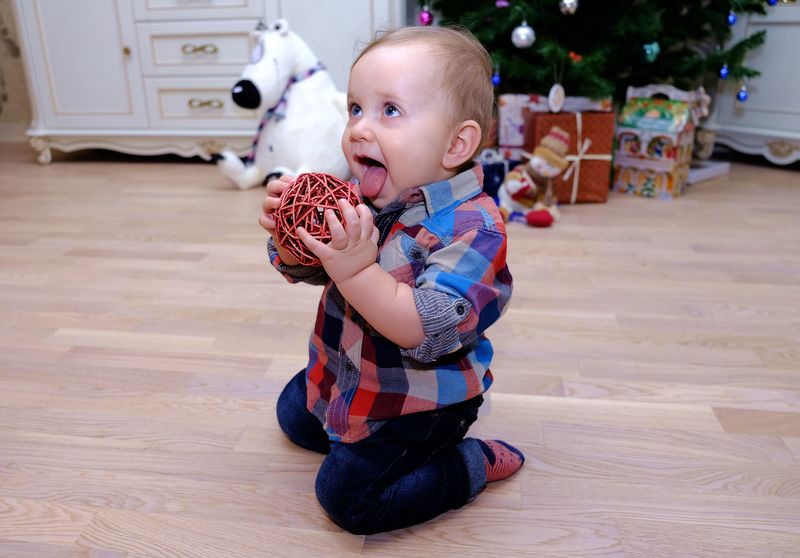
<point x="466" y="69"/>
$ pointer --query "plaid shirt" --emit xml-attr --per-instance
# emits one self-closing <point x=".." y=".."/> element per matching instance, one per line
<point x="447" y="241"/>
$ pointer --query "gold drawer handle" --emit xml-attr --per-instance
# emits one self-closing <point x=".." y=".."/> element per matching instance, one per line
<point x="205" y="103"/>
<point x="196" y="49"/>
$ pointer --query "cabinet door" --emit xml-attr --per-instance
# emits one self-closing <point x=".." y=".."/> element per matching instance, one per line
<point x="82" y="61"/>
<point x="773" y="106"/>
<point x="339" y="30"/>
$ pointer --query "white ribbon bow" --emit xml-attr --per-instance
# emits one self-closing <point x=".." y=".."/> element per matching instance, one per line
<point x="575" y="165"/>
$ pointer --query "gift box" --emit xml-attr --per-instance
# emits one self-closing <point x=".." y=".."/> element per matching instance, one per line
<point x="512" y="109"/>
<point x="588" y="177"/>
<point x="495" y="166"/>
<point x="655" y="137"/>
<point x="654" y="148"/>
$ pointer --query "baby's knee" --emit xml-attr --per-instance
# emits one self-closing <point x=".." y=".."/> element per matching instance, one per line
<point x="344" y="505"/>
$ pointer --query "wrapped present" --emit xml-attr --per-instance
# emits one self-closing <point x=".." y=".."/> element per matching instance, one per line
<point x="655" y="137"/>
<point x="513" y="107"/>
<point x="510" y="117"/>
<point x="495" y="166"/>
<point x="588" y="177"/>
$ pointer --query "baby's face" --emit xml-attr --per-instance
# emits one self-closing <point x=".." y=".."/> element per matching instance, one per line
<point x="398" y="130"/>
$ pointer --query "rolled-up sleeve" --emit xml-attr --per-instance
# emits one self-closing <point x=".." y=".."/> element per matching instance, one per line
<point x="463" y="289"/>
<point x="314" y="275"/>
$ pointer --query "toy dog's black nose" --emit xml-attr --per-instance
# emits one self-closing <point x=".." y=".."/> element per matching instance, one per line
<point x="245" y="94"/>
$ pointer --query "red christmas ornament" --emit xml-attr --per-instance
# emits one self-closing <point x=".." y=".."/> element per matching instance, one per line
<point x="575" y="56"/>
<point x="303" y="204"/>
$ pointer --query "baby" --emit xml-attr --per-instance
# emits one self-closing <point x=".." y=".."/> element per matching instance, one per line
<point x="398" y="359"/>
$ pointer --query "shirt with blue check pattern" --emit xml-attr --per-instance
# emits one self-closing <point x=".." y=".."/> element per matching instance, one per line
<point x="447" y="241"/>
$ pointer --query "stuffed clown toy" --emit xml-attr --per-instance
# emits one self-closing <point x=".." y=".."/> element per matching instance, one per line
<point x="526" y="194"/>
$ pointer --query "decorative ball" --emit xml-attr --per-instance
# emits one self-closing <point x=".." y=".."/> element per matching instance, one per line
<point x="650" y="51"/>
<point x="772" y="2"/>
<point x="556" y="97"/>
<point x="425" y="16"/>
<point x="741" y="95"/>
<point x="303" y="204"/>
<point x="731" y="17"/>
<point x="496" y="79"/>
<point x="723" y="72"/>
<point x="523" y="36"/>
<point x="501" y="4"/>
<point x="568" y="7"/>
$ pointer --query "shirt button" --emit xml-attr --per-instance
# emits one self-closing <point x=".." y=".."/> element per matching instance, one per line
<point x="460" y="309"/>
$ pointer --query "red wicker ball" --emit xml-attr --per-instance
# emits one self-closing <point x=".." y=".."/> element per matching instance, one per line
<point x="303" y="204"/>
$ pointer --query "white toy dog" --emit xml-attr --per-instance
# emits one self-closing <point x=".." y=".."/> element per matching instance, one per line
<point x="302" y="127"/>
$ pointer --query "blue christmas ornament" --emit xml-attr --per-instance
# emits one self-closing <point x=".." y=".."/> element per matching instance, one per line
<point x="731" y="17"/>
<point x="496" y="79"/>
<point x="741" y="95"/>
<point x="723" y="72"/>
<point x="772" y="2"/>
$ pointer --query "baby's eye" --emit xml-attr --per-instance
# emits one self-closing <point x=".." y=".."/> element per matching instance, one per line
<point x="355" y="110"/>
<point x="391" y="110"/>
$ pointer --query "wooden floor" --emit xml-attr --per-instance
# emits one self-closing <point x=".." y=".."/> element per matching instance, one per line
<point x="649" y="368"/>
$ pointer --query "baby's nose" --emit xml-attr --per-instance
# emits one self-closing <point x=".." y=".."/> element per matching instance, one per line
<point x="361" y="130"/>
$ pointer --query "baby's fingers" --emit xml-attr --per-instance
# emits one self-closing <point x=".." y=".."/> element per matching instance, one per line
<point x="365" y="218"/>
<point x="338" y="234"/>
<point x="318" y="248"/>
<point x="352" y="219"/>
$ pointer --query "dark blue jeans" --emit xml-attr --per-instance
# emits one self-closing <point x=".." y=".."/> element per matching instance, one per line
<point x="412" y="469"/>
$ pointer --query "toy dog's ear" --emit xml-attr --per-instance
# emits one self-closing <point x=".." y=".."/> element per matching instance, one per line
<point x="281" y="26"/>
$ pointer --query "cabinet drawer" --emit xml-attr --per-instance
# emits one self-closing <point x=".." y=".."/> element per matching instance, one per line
<point x="192" y="103"/>
<point x="147" y="10"/>
<point x="200" y="48"/>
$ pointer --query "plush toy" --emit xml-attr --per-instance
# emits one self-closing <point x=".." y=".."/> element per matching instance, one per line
<point x="302" y="127"/>
<point x="527" y="191"/>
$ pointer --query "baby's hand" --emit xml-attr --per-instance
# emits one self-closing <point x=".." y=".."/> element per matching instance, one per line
<point x="267" y="219"/>
<point x="271" y="202"/>
<point x="353" y="246"/>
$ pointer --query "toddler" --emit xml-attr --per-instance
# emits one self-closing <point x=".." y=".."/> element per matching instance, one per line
<point x="413" y="277"/>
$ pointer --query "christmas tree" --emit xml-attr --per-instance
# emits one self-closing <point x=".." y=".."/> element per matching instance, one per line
<point x="598" y="48"/>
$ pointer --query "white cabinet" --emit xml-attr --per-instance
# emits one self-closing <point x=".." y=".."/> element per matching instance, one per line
<point x="154" y="76"/>
<point x="768" y="122"/>
<point x="84" y="74"/>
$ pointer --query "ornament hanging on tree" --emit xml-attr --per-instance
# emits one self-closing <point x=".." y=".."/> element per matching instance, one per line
<point x="568" y="7"/>
<point x="555" y="99"/>
<point x="501" y="4"/>
<point x="425" y="16"/>
<point x="523" y="36"/>
<point x="496" y="75"/>
<point x="741" y="95"/>
<point x="731" y="17"/>
<point x="650" y="51"/>
<point x="772" y="2"/>
<point x="723" y="72"/>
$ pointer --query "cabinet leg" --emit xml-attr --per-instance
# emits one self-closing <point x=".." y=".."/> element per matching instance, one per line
<point x="42" y="145"/>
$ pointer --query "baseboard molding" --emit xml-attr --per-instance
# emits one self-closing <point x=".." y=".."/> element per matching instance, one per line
<point x="13" y="132"/>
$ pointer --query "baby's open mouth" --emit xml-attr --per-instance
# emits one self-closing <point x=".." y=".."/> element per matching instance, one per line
<point x="374" y="176"/>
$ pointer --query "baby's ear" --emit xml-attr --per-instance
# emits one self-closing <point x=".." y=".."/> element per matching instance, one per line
<point x="466" y="138"/>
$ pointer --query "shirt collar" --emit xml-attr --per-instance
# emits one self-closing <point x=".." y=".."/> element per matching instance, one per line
<point x="445" y="193"/>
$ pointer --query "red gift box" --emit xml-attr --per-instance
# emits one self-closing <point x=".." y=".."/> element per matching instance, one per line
<point x="588" y="177"/>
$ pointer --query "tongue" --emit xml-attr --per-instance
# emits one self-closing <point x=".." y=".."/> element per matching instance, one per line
<point x="373" y="181"/>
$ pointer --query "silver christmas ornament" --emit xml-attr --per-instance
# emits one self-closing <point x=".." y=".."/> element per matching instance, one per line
<point x="568" y="7"/>
<point x="523" y="36"/>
